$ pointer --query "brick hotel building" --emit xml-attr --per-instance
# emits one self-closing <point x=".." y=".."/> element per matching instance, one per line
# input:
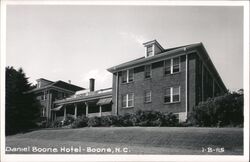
<point x="166" y="80"/>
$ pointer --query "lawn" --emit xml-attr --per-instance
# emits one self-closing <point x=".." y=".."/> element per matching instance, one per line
<point x="131" y="140"/>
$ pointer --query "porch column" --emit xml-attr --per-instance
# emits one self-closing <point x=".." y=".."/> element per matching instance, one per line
<point x="75" y="110"/>
<point x="55" y="115"/>
<point x="64" y="116"/>
<point x="100" y="110"/>
<point x="87" y="108"/>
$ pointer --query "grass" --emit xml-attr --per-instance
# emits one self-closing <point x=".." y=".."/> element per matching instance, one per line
<point x="139" y="140"/>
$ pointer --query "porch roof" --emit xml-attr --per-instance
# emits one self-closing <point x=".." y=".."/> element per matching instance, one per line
<point x="58" y="108"/>
<point x="104" y="101"/>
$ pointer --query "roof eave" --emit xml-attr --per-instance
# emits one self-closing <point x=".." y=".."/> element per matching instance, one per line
<point x="156" y="57"/>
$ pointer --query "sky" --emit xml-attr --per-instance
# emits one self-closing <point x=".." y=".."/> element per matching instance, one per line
<point x="62" y="42"/>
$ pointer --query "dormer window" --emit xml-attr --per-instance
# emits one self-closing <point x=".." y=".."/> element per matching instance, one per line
<point x="150" y="51"/>
<point x="152" y="48"/>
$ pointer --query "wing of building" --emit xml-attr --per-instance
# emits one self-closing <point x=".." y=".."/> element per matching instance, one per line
<point x="48" y="92"/>
<point x="166" y="80"/>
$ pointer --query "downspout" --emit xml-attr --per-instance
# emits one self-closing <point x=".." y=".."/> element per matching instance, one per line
<point x="186" y="85"/>
<point x="116" y="94"/>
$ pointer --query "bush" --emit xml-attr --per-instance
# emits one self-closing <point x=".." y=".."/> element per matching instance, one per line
<point x="226" y="110"/>
<point x="106" y="121"/>
<point x="60" y="122"/>
<point x="128" y="120"/>
<point x="94" y="122"/>
<point x="170" y="120"/>
<point x="149" y="118"/>
<point x="80" y="122"/>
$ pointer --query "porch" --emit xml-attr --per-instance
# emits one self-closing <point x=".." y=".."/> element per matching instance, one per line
<point x="92" y="108"/>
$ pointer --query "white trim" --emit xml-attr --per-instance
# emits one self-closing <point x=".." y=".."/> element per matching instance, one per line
<point x="127" y="75"/>
<point x="172" y="93"/>
<point x="127" y="99"/>
<point x="186" y="88"/>
<point x="116" y="93"/>
<point x="172" y="65"/>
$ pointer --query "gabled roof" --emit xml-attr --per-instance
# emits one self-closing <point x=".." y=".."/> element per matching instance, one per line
<point x="59" y="84"/>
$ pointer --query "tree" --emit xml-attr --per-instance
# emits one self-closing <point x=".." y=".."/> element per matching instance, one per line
<point x="22" y="108"/>
<point x="225" y="110"/>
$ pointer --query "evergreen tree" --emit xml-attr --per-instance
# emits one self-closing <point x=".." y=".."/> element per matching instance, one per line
<point x="22" y="108"/>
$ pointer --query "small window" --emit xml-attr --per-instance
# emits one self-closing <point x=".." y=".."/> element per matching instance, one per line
<point x="124" y="76"/>
<point x="148" y="71"/>
<point x="150" y="50"/>
<point x="130" y="75"/>
<point x="167" y="68"/>
<point x="172" y="94"/>
<point x="176" y="94"/>
<point x="127" y="76"/>
<point x="172" y="66"/>
<point x="128" y="100"/>
<point x="124" y="100"/>
<point x="176" y="65"/>
<point x="147" y="96"/>
<point x="167" y="96"/>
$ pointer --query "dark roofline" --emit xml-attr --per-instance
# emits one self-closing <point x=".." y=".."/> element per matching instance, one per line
<point x="83" y="98"/>
<point x="169" y="53"/>
<point x="54" y="86"/>
<point x="142" y="60"/>
<point x="45" y="80"/>
<point x="77" y="87"/>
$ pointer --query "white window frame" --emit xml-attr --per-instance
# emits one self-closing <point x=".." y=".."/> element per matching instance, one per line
<point x="147" y="52"/>
<point x="172" y="65"/>
<point x="127" y="100"/>
<point x="150" y="96"/>
<point x="127" y="75"/>
<point x="172" y="94"/>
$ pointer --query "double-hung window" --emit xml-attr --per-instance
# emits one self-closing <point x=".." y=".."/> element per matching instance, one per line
<point x="128" y="100"/>
<point x="172" y="94"/>
<point x="147" y="96"/>
<point x="176" y="64"/>
<point x="150" y="51"/>
<point x="127" y="76"/>
<point x="148" y="71"/>
<point x="172" y="66"/>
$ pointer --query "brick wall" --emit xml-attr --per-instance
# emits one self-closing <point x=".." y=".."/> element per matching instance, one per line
<point x="157" y="84"/>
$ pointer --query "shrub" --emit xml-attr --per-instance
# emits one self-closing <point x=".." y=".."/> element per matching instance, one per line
<point x="80" y="122"/>
<point x="149" y="118"/>
<point x="94" y="122"/>
<point x="60" y="122"/>
<point x="106" y="121"/>
<point x="116" y="120"/>
<point x="170" y="120"/>
<point x="226" y="110"/>
<point x="128" y="120"/>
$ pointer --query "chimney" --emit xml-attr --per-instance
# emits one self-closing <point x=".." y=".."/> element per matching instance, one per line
<point x="91" y="84"/>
